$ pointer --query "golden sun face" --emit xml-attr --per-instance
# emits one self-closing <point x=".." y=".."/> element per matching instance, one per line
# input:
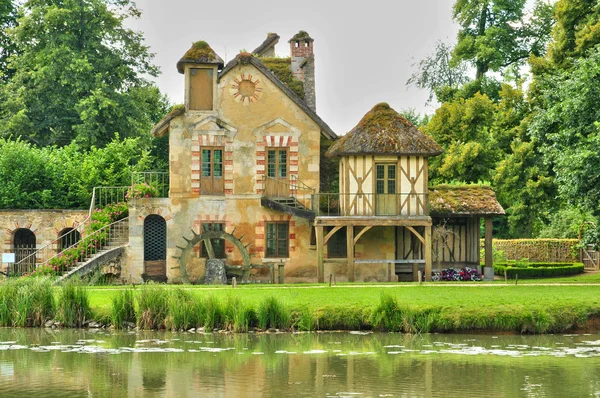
<point x="245" y="89"/>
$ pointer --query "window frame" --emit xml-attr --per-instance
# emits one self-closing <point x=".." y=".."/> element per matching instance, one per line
<point x="212" y="74"/>
<point x="211" y="177"/>
<point x="277" y="239"/>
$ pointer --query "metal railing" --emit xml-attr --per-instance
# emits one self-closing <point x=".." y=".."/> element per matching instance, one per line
<point x="370" y="204"/>
<point x="289" y="188"/>
<point x="108" y="237"/>
<point x="101" y="196"/>
<point x="156" y="179"/>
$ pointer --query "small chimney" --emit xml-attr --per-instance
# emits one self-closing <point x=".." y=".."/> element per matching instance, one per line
<point x="303" y="65"/>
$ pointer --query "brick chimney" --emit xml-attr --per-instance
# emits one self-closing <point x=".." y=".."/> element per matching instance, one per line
<point x="303" y="65"/>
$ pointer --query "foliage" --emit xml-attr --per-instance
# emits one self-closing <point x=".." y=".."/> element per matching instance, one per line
<point x="153" y="307"/>
<point x="26" y="302"/>
<point x="123" y="309"/>
<point x="78" y="75"/>
<point x="55" y="178"/>
<point x="547" y="250"/>
<point x="73" y="305"/>
<point x="281" y="67"/>
<point x="569" y="133"/>
<point x="538" y="270"/>
<point x="435" y="73"/>
<point x="272" y="313"/>
<point x="142" y="190"/>
<point x="495" y="34"/>
<point x="8" y="19"/>
<point x="92" y="241"/>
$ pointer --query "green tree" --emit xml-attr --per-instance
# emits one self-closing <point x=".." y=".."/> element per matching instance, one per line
<point x="79" y="75"/>
<point x="567" y="126"/>
<point x="435" y="73"/>
<point x="577" y="30"/>
<point x="8" y="18"/>
<point x="495" y="34"/>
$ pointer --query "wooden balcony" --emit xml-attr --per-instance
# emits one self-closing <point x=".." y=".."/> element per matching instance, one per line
<point x="366" y="205"/>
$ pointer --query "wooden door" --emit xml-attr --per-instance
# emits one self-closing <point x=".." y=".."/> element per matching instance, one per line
<point x="386" y="200"/>
<point x="212" y="172"/>
<point x="277" y="184"/>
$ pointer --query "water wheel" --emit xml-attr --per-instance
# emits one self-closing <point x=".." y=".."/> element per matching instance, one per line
<point x="206" y="237"/>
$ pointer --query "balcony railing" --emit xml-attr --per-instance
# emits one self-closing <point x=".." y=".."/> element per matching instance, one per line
<point x="289" y="188"/>
<point x="370" y="204"/>
<point x="156" y="179"/>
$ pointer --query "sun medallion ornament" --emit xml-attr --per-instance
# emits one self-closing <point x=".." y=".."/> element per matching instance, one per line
<point x="245" y="89"/>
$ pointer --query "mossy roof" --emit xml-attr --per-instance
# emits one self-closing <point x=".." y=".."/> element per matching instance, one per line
<point x="199" y="53"/>
<point x="247" y="58"/>
<point x="301" y="36"/>
<point x="383" y="131"/>
<point x="163" y="126"/>
<point x="282" y="68"/>
<point x="270" y="41"/>
<point x="465" y="200"/>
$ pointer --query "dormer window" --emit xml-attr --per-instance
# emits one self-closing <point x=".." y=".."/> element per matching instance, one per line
<point x="201" y="89"/>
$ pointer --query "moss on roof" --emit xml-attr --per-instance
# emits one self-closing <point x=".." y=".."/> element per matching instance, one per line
<point x="300" y="36"/>
<point x="199" y="53"/>
<point x="463" y="200"/>
<point x="161" y="127"/>
<point x="383" y="131"/>
<point x="281" y="67"/>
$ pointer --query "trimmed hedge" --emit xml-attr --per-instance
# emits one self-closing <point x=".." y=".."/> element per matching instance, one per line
<point x="537" y="270"/>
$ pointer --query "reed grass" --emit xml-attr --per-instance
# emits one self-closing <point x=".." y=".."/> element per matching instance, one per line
<point x="26" y="302"/>
<point x="272" y="313"/>
<point x="183" y="311"/>
<point x="153" y="307"/>
<point x="123" y="309"/>
<point x="73" y="305"/>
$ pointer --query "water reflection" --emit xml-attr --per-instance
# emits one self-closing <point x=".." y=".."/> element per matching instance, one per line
<point x="79" y="363"/>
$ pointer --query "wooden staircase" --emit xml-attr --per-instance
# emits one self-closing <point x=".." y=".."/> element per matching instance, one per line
<point x="289" y="206"/>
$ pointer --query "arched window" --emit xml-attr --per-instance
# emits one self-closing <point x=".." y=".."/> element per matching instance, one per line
<point x="24" y="243"/>
<point x="155" y="247"/>
<point x="68" y="237"/>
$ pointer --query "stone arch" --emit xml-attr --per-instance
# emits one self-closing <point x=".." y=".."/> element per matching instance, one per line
<point x="68" y="237"/>
<point x="24" y="244"/>
<point x="155" y="248"/>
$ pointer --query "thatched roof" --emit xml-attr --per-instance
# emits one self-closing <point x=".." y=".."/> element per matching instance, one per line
<point x="163" y="126"/>
<point x="301" y="36"/>
<point x="199" y="53"/>
<point x="270" y="41"/>
<point x="465" y="200"/>
<point x="247" y="58"/>
<point x="383" y="131"/>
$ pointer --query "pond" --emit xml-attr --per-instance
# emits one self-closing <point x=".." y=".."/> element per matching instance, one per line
<point x="78" y="363"/>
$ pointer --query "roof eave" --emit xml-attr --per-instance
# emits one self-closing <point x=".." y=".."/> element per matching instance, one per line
<point x="325" y="129"/>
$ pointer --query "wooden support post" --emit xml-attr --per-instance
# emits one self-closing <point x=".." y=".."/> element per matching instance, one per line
<point x="415" y="272"/>
<point x="321" y="267"/>
<point x="350" y="251"/>
<point x="489" y="261"/>
<point x="427" y="250"/>
<point x="280" y="273"/>
<point x="389" y="272"/>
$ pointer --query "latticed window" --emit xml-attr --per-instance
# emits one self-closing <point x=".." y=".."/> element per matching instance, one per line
<point x="217" y="244"/>
<point x="277" y="163"/>
<point x="155" y="238"/>
<point x="278" y="240"/>
<point x="386" y="178"/>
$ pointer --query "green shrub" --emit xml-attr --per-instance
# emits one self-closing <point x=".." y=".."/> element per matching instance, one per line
<point x="73" y="305"/>
<point x="538" y="270"/>
<point x="123" y="308"/>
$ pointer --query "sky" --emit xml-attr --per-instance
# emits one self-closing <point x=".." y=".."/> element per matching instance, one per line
<point x="364" y="51"/>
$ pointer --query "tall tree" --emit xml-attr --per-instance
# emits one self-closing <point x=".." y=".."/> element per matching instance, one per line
<point x="495" y="34"/>
<point x="79" y="75"/>
<point x="434" y="72"/>
<point x="8" y="18"/>
<point x="567" y="126"/>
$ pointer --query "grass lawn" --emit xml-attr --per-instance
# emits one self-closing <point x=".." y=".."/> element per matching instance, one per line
<point x="476" y="298"/>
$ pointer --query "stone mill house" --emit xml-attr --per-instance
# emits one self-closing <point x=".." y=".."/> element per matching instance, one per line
<point x="246" y="152"/>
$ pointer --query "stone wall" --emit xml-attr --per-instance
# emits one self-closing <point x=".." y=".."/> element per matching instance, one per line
<point x="45" y="224"/>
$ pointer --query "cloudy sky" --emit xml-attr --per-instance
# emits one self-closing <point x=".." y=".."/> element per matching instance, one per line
<point x="364" y="52"/>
